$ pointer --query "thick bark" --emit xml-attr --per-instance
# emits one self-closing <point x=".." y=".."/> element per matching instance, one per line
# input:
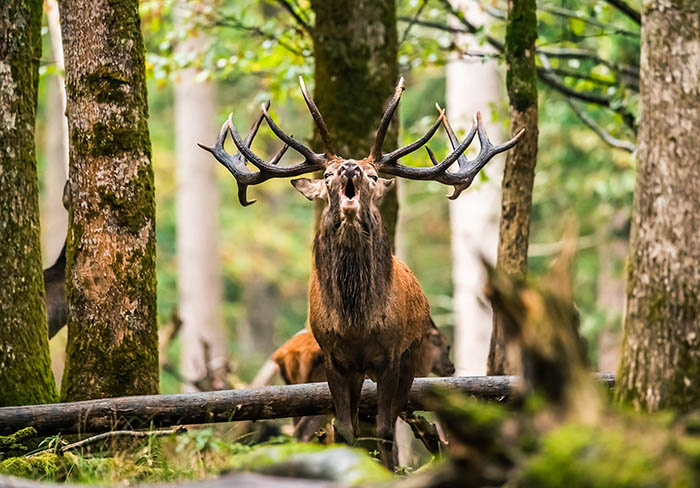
<point x="519" y="174"/>
<point x="660" y="365"/>
<point x="25" y="373"/>
<point x="231" y="405"/>
<point x="473" y="85"/>
<point x="111" y="281"/>
<point x="204" y="354"/>
<point x="356" y="54"/>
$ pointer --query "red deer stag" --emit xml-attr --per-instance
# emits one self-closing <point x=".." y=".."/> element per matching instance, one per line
<point x="366" y="308"/>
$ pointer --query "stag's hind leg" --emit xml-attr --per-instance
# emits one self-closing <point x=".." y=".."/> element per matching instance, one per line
<point x="345" y="389"/>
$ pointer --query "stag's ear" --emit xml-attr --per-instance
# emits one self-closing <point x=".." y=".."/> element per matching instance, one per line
<point x="382" y="186"/>
<point x="311" y="189"/>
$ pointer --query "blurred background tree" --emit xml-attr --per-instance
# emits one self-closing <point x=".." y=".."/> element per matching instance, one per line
<point x="255" y="50"/>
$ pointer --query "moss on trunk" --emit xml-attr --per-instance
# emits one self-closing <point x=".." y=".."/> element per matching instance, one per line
<point x="111" y="282"/>
<point x="356" y="53"/>
<point x="660" y="364"/>
<point x="519" y="172"/>
<point x="25" y="372"/>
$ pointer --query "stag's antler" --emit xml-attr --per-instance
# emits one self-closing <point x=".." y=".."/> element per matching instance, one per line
<point x="460" y="179"/>
<point x="237" y="164"/>
<point x="463" y="177"/>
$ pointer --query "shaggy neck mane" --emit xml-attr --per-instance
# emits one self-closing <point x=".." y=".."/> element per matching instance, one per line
<point x="353" y="264"/>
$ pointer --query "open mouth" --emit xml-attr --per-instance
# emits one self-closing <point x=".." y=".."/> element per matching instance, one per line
<point x="350" y="189"/>
<point x="349" y="198"/>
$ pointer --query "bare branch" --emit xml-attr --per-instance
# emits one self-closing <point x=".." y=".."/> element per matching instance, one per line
<point x="412" y="21"/>
<point x="234" y="23"/>
<point x="626" y="9"/>
<point x="573" y="14"/>
<point x="110" y="435"/>
<point x="289" y="8"/>
<point x="604" y="135"/>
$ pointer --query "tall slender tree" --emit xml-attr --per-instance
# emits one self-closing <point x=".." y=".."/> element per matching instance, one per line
<point x="111" y="282"/>
<point x="472" y="85"/>
<point x="356" y="55"/>
<point x="660" y="354"/>
<point x="25" y="372"/>
<point x="519" y="174"/>
<point x="204" y="352"/>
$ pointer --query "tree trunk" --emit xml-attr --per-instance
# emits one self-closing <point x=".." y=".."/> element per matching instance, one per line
<point x="519" y="174"/>
<point x="110" y="273"/>
<point x="660" y="365"/>
<point x="25" y="376"/>
<point x="356" y="54"/>
<point x="199" y="281"/>
<point x="55" y="216"/>
<point x="473" y="85"/>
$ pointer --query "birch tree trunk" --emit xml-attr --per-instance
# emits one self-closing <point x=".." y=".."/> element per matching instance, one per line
<point x="660" y="365"/>
<point x="204" y="353"/>
<point x="356" y="53"/>
<point x="111" y="281"/>
<point x="519" y="173"/>
<point x="25" y="373"/>
<point x="473" y="85"/>
<point x="55" y="216"/>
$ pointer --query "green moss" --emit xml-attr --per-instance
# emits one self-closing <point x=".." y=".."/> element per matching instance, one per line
<point x="26" y="376"/>
<point x="521" y="33"/>
<point x="112" y="354"/>
<point x="580" y="456"/>
<point x="47" y="466"/>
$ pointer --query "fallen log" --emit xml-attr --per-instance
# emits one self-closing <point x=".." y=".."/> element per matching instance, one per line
<point x="249" y="480"/>
<point x="138" y="412"/>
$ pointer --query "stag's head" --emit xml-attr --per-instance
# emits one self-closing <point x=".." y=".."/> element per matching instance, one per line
<point x="352" y="188"/>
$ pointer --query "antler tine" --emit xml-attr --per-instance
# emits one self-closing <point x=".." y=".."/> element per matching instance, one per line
<point x="309" y="155"/>
<point x="318" y="120"/>
<point x="236" y="164"/>
<point x="463" y="177"/>
<point x="376" y="152"/>
<point x="394" y="156"/>
<point x="467" y="170"/>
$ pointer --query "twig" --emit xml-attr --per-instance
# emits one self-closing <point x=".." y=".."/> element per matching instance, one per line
<point x="236" y="24"/>
<point x="412" y="21"/>
<point x="546" y="75"/>
<point x="602" y="133"/>
<point x="109" y="435"/>
<point x="626" y="9"/>
<point x="572" y="14"/>
<point x="289" y="8"/>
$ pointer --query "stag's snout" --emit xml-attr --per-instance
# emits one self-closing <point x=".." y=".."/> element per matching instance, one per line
<point x="350" y="174"/>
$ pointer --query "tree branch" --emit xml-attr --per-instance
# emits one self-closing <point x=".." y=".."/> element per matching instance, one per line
<point x="412" y="21"/>
<point x="626" y="9"/>
<point x="602" y="133"/>
<point x="572" y="14"/>
<point x="289" y="8"/>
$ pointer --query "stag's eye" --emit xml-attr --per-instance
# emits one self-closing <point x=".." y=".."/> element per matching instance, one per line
<point x="326" y="175"/>
<point x="374" y="177"/>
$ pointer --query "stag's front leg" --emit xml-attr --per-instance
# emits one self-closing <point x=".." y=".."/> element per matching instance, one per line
<point x="387" y="387"/>
<point x="345" y="395"/>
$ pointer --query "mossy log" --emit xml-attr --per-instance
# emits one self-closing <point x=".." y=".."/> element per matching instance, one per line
<point x="230" y="405"/>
